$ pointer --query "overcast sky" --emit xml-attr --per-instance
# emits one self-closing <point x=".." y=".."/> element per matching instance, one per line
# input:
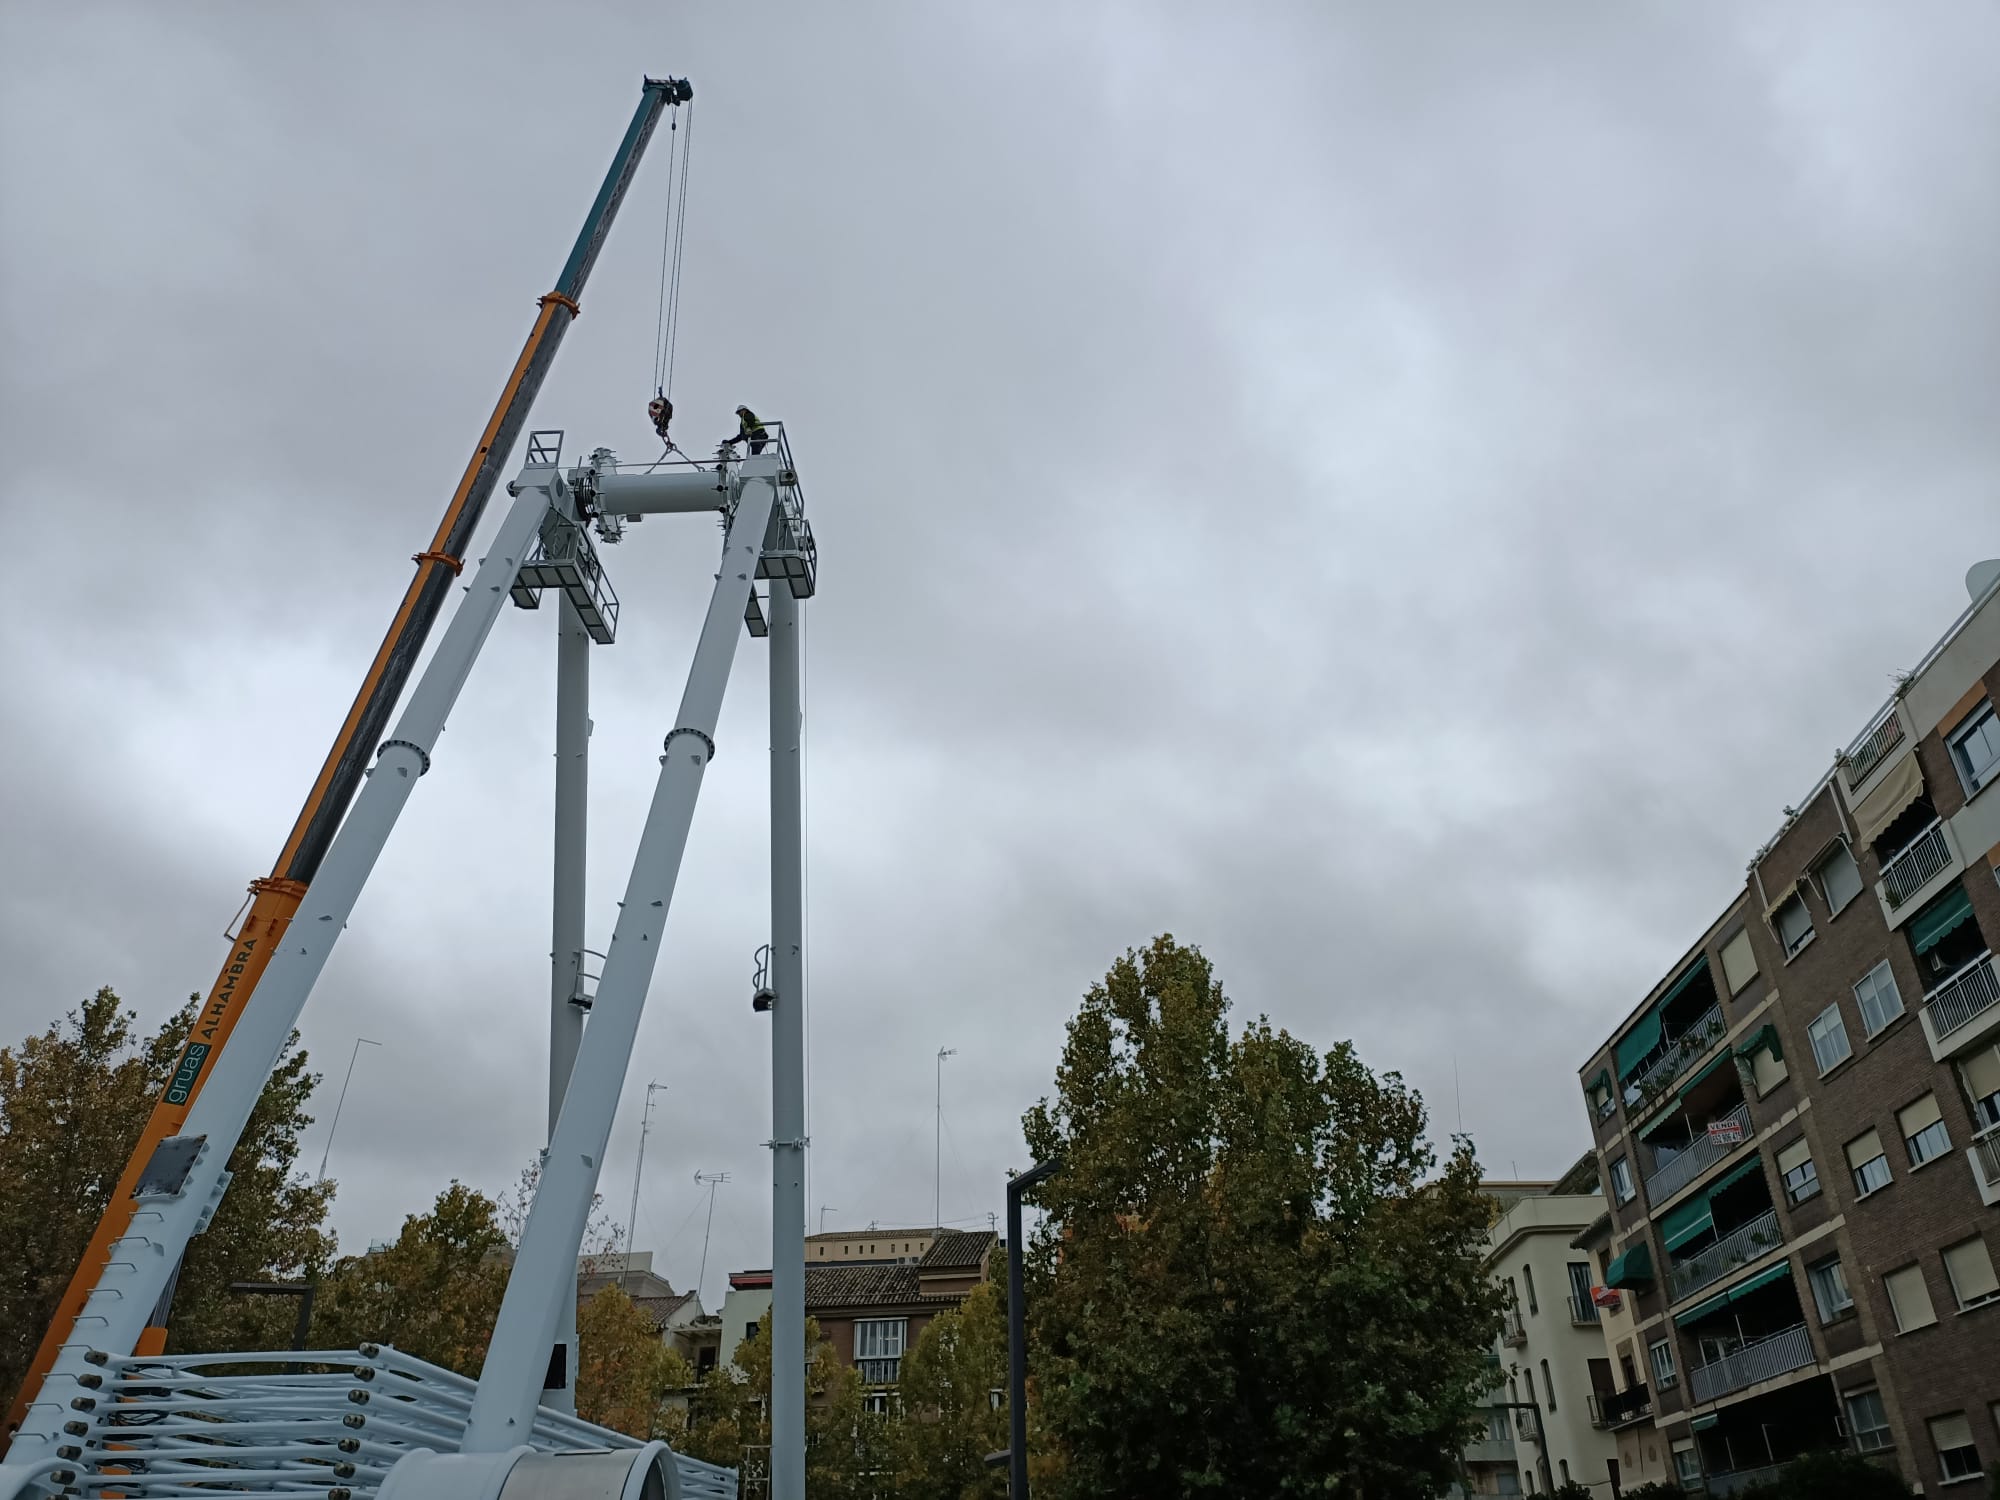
<point x="1398" y="495"/>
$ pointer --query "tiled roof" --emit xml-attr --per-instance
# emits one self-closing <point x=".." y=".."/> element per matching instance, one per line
<point x="955" y="1250"/>
<point x="860" y="1286"/>
<point x="661" y="1309"/>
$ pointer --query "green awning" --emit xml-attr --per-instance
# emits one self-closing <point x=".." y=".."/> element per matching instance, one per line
<point x="1703" y="1423"/>
<point x="1702" y="1310"/>
<point x="1782" y="1271"/>
<point x="1736" y="1175"/>
<point x="1939" y="920"/>
<point x="1601" y="1083"/>
<point x="1685" y="1222"/>
<point x="1633" y="1270"/>
<point x="1706" y="1073"/>
<point x="1767" y="1038"/>
<point x="1695" y="970"/>
<point x="1637" y="1044"/>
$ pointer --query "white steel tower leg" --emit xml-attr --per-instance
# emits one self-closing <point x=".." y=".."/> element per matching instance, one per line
<point x="175" y="1200"/>
<point x="788" y="1059"/>
<point x="566" y="943"/>
<point x="544" y="1274"/>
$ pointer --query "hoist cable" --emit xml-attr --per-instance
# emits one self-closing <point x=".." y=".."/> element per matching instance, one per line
<point x="667" y="245"/>
<point x="680" y="239"/>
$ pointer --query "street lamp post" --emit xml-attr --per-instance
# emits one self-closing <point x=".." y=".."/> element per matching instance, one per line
<point x="937" y="1144"/>
<point x="1017" y="1322"/>
<point x="359" y="1043"/>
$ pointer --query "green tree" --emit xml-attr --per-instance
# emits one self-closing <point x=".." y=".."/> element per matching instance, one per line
<point x="625" y="1372"/>
<point x="434" y="1293"/>
<point x="73" y="1100"/>
<point x="1254" y="1275"/>
<point x="949" y="1422"/>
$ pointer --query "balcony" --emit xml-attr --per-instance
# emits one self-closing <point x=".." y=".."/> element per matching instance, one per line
<point x="1739" y="1480"/>
<point x="1876" y="741"/>
<point x="1738" y="1247"/>
<point x="1985" y="1154"/>
<point x="1959" y="1001"/>
<point x="1512" y="1333"/>
<point x="1582" y="1311"/>
<point x="878" y="1371"/>
<point x="1611" y="1410"/>
<point x="1919" y="862"/>
<point x="1764" y="1359"/>
<point x="1683" y="1050"/>
<point x="1676" y="1172"/>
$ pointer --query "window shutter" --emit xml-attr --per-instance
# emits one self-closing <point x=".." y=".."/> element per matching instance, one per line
<point x="1918" y="1116"/>
<point x="1982" y="1072"/>
<point x="1951" y="1432"/>
<point x="1795" y="1155"/>
<point x="1910" y="1298"/>
<point x="1739" y="962"/>
<point x="1971" y="1271"/>
<point x="1864" y="1148"/>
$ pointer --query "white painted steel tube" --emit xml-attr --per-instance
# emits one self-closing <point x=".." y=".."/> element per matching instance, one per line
<point x="788" y="1052"/>
<point x="140" y="1263"/>
<point x="544" y="1273"/>
<point x="673" y="492"/>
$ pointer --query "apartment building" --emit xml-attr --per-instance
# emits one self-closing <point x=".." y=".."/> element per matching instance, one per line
<point x="873" y="1311"/>
<point x="1800" y="1126"/>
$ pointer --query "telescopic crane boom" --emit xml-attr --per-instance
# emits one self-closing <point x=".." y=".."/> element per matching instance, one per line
<point x="275" y="898"/>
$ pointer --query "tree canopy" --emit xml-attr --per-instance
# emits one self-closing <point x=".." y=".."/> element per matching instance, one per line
<point x="73" y="1100"/>
<point x="1254" y="1275"/>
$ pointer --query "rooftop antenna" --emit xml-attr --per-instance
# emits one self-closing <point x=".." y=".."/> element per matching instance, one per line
<point x="714" y="1180"/>
<point x="632" y="1221"/>
<point x="937" y="1141"/>
<point x="824" y="1210"/>
<point x="359" y="1043"/>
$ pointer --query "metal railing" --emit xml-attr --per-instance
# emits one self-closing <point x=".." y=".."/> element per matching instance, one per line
<point x="1614" y="1409"/>
<point x="878" y="1371"/>
<point x="1684" y="1049"/>
<point x="1511" y="1331"/>
<point x="1971" y="991"/>
<point x="1986" y="1156"/>
<point x="1677" y="1171"/>
<point x="1876" y="741"/>
<point x="1738" y="1480"/>
<point x="1762" y="1359"/>
<point x="1925" y="857"/>
<point x="1582" y="1311"/>
<point x="1740" y="1246"/>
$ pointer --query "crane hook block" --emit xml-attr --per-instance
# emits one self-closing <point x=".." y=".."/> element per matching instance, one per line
<point x="678" y="90"/>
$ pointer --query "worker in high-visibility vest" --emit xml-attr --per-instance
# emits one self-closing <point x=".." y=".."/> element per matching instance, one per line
<point x="749" y="430"/>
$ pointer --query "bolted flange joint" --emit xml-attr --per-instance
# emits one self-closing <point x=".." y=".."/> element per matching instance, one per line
<point x="668" y="744"/>
<point x="423" y="755"/>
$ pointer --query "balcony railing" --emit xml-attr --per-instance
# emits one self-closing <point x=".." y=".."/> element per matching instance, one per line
<point x="1986" y="1157"/>
<point x="1876" y="741"/>
<point x="1738" y="1247"/>
<point x="1966" y="994"/>
<point x="1761" y="1360"/>
<point x="1924" y="857"/>
<point x="1738" y="1480"/>
<point x="1615" y="1409"/>
<point x="1582" y="1311"/>
<point x="878" y="1371"/>
<point x="1683" y="1050"/>
<point x="1511" y="1331"/>
<point x="1676" y="1172"/>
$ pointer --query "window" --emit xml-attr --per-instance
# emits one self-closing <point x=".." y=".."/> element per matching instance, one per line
<point x="1795" y="1165"/>
<point x="1687" y="1467"/>
<point x="1579" y="1290"/>
<point x="1923" y="1130"/>
<point x="1795" y="927"/>
<point x="1975" y="748"/>
<point x="879" y="1338"/>
<point x="1910" y="1299"/>
<point x="1661" y="1354"/>
<point x="1868" y="1421"/>
<point x="1621" y="1181"/>
<point x="749" y="1330"/>
<point x="1528" y="1378"/>
<point x="1839" y="879"/>
<point x="1549" y="1385"/>
<point x="876" y="1402"/>
<point x="1507" y="1482"/>
<point x="1880" y="1001"/>
<point x="1868" y="1163"/>
<point x="1951" y="1435"/>
<point x="1739" y="962"/>
<point x="1829" y="1039"/>
<point x="1563" y="1464"/>
<point x="1981" y="1075"/>
<point x="1528" y="1280"/>
<point x="1829" y="1288"/>
<point x="1496" y="1427"/>
<point x="1971" y="1272"/>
